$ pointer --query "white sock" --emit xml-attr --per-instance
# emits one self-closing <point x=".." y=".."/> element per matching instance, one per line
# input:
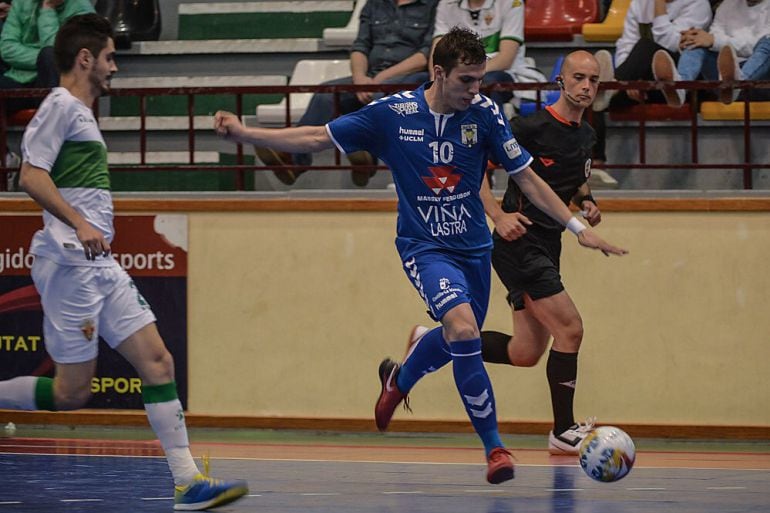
<point x="18" y="393"/>
<point x="167" y="420"/>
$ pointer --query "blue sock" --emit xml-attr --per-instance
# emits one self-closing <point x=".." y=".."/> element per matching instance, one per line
<point x="475" y="390"/>
<point x="429" y="355"/>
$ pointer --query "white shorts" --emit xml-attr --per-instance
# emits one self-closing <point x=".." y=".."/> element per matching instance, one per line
<point x="82" y="303"/>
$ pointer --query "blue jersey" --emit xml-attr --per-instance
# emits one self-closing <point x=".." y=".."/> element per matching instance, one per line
<point x="438" y="162"/>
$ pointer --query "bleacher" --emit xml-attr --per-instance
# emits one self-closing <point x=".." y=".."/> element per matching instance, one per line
<point x="304" y="42"/>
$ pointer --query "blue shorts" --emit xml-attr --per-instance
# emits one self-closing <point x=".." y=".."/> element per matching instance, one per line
<point x="445" y="280"/>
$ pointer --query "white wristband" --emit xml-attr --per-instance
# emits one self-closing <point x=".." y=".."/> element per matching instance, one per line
<point x="575" y="226"/>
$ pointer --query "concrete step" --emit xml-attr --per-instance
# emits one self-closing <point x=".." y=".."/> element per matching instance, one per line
<point x="265" y="19"/>
<point x="176" y="105"/>
<point x="162" y="157"/>
<point x="228" y="46"/>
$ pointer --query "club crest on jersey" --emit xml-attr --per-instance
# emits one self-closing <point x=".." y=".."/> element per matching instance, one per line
<point x="511" y="147"/>
<point x="443" y="178"/>
<point x="489" y="17"/>
<point x="88" y="329"/>
<point x="470" y="134"/>
<point x="404" y="108"/>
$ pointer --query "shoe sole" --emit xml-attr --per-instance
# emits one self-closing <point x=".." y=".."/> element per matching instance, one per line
<point x="501" y="475"/>
<point x="661" y="67"/>
<point x="227" y="497"/>
<point x="361" y="177"/>
<point x="270" y="158"/>
<point x="555" y="451"/>
<point x="602" y="99"/>
<point x="726" y="68"/>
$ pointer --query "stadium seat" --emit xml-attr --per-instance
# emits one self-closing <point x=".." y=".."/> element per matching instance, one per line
<point x="306" y="72"/>
<point x="557" y="20"/>
<point x="652" y="112"/>
<point x="344" y="36"/>
<point x="611" y="28"/>
<point x="21" y="117"/>
<point x="716" y="111"/>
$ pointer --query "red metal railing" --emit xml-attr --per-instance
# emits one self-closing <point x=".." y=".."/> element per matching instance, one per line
<point x="240" y="168"/>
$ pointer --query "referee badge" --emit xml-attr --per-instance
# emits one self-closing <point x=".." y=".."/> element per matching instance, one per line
<point x="470" y="134"/>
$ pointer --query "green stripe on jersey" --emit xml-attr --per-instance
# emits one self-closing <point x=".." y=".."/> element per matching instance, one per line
<point x="159" y="393"/>
<point x="81" y="164"/>
<point x="492" y="43"/>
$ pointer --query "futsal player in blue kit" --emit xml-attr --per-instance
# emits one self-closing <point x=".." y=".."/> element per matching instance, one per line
<point x="436" y="141"/>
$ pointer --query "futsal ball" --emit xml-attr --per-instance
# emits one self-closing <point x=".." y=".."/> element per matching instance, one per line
<point x="607" y="454"/>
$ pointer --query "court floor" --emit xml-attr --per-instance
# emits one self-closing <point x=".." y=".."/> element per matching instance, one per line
<point x="347" y="474"/>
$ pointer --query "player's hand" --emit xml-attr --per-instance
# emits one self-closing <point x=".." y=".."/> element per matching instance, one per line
<point x="227" y="125"/>
<point x="364" y="97"/>
<point x="511" y="226"/>
<point x="591" y="212"/>
<point x="94" y="243"/>
<point x="590" y="239"/>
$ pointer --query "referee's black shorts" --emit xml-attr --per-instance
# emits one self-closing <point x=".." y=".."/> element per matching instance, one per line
<point x="529" y="265"/>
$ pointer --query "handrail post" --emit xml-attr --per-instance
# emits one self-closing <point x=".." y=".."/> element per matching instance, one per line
<point x="240" y="175"/>
<point x="748" y="178"/>
<point x="142" y="129"/>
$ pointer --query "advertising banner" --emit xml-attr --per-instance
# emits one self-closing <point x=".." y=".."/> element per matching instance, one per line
<point x="152" y="249"/>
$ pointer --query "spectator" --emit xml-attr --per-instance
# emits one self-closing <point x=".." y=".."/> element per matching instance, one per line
<point x="755" y="67"/>
<point x="738" y="25"/>
<point x="500" y="24"/>
<point x="392" y="47"/>
<point x="26" y="45"/>
<point x="4" y="8"/>
<point x="650" y="26"/>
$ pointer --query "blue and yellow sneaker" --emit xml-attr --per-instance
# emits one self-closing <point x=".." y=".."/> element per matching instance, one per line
<point x="206" y="492"/>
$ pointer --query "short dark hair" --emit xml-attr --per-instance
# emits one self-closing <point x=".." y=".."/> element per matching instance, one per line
<point x="459" y="45"/>
<point x="90" y="31"/>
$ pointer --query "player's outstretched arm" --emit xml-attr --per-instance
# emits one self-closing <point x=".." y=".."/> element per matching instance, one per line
<point x="38" y="184"/>
<point x="301" y="139"/>
<point x="543" y="197"/>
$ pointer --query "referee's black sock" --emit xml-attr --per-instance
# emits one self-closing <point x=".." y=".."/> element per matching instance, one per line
<point x="494" y="347"/>
<point x="561" y="370"/>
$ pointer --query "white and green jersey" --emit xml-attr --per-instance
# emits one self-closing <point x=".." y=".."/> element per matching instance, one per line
<point x="494" y="21"/>
<point x="64" y="139"/>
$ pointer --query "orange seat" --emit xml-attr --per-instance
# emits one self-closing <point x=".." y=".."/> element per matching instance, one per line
<point x="21" y="117"/>
<point x="557" y="20"/>
<point x="611" y="28"/>
<point x="716" y="111"/>
<point x="652" y="112"/>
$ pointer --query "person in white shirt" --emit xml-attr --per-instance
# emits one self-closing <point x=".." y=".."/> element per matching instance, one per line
<point x="84" y="292"/>
<point x="650" y="26"/>
<point x="739" y="30"/>
<point x="500" y="24"/>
